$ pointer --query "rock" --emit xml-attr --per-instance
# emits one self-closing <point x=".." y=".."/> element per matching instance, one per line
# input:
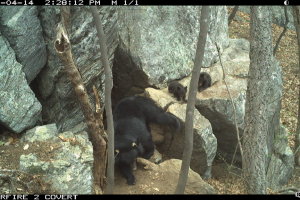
<point x="158" y="44"/>
<point x="19" y="108"/>
<point x="22" y="28"/>
<point x="60" y="104"/>
<point x="30" y="164"/>
<point x="156" y="158"/>
<point x="215" y="105"/>
<point x="71" y="165"/>
<point x="41" y="133"/>
<point x="281" y="165"/>
<point x="205" y="143"/>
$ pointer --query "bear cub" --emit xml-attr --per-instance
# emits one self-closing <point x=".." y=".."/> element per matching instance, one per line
<point x="178" y="90"/>
<point x="133" y="139"/>
<point x="204" y="81"/>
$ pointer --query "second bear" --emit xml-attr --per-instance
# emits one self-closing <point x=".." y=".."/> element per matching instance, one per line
<point x="178" y="90"/>
<point x="204" y="81"/>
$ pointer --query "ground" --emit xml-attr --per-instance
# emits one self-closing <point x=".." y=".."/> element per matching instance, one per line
<point x="11" y="149"/>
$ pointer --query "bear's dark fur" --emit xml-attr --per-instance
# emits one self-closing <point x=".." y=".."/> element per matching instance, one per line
<point x="132" y="116"/>
<point x="178" y="90"/>
<point x="204" y="81"/>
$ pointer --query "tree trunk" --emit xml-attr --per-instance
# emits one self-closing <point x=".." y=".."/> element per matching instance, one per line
<point x="187" y="153"/>
<point x="257" y="101"/>
<point x="284" y="30"/>
<point x="296" y="15"/>
<point x="62" y="46"/>
<point x="108" y="87"/>
<point x="232" y="14"/>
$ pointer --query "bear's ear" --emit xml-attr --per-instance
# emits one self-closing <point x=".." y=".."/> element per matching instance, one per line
<point x="178" y="88"/>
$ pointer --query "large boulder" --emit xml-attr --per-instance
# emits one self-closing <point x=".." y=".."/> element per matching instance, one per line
<point x="158" y="44"/>
<point x="19" y="109"/>
<point x="70" y="163"/>
<point x="60" y="104"/>
<point x="22" y="28"/>
<point x="205" y="143"/>
<point x="281" y="165"/>
<point x="214" y="104"/>
<point x="139" y="54"/>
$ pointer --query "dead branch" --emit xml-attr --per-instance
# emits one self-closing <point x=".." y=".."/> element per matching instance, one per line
<point x="65" y="17"/>
<point x="63" y="49"/>
<point x="232" y="103"/>
<point x="98" y="113"/>
<point x="234" y="112"/>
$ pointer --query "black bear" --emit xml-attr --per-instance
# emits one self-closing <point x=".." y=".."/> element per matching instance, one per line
<point x="132" y="116"/>
<point x="204" y="81"/>
<point x="178" y="90"/>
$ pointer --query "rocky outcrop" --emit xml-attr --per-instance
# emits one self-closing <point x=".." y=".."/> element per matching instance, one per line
<point x="60" y="104"/>
<point x="281" y="164"/>
<point x="158" y="44"/>
<point x="147" y="46"/>
<point x="214" y="102"/>
<point x="215" y="105"/>
<point x="19" y="109"/>
<point x="70" y="164"/>
<point x="205" y="143"/>
<point x="22" y="28"/>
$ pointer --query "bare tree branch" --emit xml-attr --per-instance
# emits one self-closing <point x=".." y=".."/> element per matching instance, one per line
<point x="284" y="30"/>
<point x="232" y="103"/>
<point x="63" y="49"/>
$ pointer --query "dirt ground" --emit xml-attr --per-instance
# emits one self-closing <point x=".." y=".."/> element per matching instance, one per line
<point x="11" y="149"/>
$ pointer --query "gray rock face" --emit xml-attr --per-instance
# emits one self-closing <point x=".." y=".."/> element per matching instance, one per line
<point x="19" y="109"/>
<point x="146" y="46"/>
<point x="215" y="105"/>
<point x="60" y="104"/>
<point x="22" y="28"/>
<point x="214" y="102"/>
<point x="205" y="143"/>
<point x="158" y="44"/>
<point x="71" y="167"/>
<point x="281" y="163"/>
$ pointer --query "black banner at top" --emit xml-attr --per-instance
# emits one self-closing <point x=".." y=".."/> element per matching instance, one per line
<point x="128" y="2"/>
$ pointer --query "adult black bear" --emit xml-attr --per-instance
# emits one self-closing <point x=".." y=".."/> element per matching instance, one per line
<point x="132" y="116"/>
<point x="178" y="90"/>
<point x="204" y="81"/>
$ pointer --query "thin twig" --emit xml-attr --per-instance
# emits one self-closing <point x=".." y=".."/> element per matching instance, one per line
<point x="234" y="112"/>
<point x="233" y="107"/>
